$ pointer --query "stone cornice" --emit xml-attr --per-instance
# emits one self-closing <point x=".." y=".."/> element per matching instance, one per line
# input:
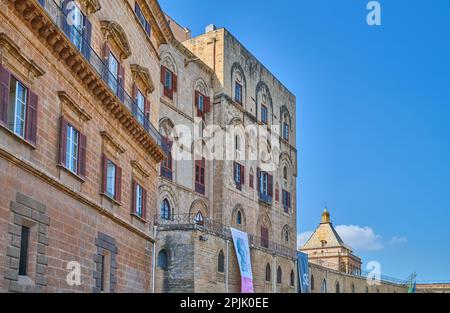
<point x="110" y="140"/>
<point x="139" y="168"/>
<point x="9" y="47"/>
<point x="113" y="31"/>
<point x="75" y="107"/>
<point x="143" y="74"/>
<point x="41" y="25"/>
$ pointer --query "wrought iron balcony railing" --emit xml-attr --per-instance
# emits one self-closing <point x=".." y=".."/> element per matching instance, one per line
<point x="76" y="36"/>
<point x="209" y="225"/>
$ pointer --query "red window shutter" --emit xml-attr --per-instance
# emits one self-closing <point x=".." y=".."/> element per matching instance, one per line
<point x="265" y="237"/>
<point x="4" y="94"/>
<point x="118" y="184"/>
<point x="277" y="194"/>
<point x="174" y="83"/>
<point x="250" y="178"/>
<point x="163" y="75"/>
<point x="144" y="204"/>
<point x="31" y="118"/>
<point x="82" y="155"/>
<point x="105" y="172"/>
<point x="62" y="141"/>
<point x="207" y="104"/>
<point x="133" y="196"/>
<point x="270" y="185"/>
<point x="242" y="174"/>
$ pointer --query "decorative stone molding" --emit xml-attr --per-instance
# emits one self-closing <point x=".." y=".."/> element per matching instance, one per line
<point x="143" y="74"/>
<point x="113" y="31"/>
<point x="110" y="140"/>
<point x="139" y="168"/>
<point x="68" y="102"/>
<point x="92" y="6"/>
<point x="32" y="214"/>
<point x="8" y="48"/>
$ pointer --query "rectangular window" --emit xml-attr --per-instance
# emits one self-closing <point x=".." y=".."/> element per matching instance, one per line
<point x="72" y="144"/>
<point x="200" y="176"/>
<point x="105" y="273"/>
<point x="113" y="68"/>
<point x="250" y="178"/>
<point x="140" y="103"/>
<point x="166" y="164"/>
<point x="17" y="111"/>
<point x="139" y="205"/>
<point x="286" y="201"/>
<point x="201" y="102"/>
<point x="111" y="179"/>
<point x="77" y="22"/>
<point x="285" y="131"/>
<point x="24" y="243"/>
<point x="168" y="80"/>
<point x="264" y="183"/>
<point x="264" y="114"/>
<point x="142" y="19"/>
<point x="238" y="93"/>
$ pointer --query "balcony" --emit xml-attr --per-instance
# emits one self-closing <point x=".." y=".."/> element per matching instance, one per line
<point x="190" y="221"/>
<point x="46" y="20"/>
<point x="265" y="198"/>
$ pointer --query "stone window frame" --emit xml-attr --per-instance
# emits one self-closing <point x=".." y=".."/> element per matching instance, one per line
<point x="33" y="214"/>
<point x="106" y="246"/>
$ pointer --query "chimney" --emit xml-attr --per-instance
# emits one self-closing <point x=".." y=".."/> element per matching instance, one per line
<point x="210" y="28"/>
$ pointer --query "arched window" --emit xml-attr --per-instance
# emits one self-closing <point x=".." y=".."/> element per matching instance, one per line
<point x="163" y="262"/>
<point x="239" y="218"/>
<point x="221" y="262"/>
<point x="292" y="278"/>
<point x="324" y="287"/>
<point x="353" y="288"/>
<point x="285" y="173"/>
<point x="237" y="143"/>
<point x="312" y="282"/>
<point x="279" y="275"/>
<point x="286" y="234"/>
<point x="165" y="210"/>
<point x="199" y="218"/>
<point x="338" y="287"/>
<point x="268" y="272"/>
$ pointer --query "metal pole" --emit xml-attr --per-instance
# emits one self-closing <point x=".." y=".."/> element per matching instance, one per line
<point x="154" y="260"/>
<point x="226" y="270"/>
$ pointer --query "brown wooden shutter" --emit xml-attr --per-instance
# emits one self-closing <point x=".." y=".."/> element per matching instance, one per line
<point x="207" y="105"/>
<point x="270" y="185"/>
<point x="133" y="196"/>
<point x="242" y="174"/>
<point x="197" y="96"/>
<point x="104" y="172"/>
<point x="62" y="141"/>
<point x="31" y="118"/>
<point x="258" y="177"/>
<point x="82" y="155"/>
<point x="118" y="184"/>
<point x="174" y="82"/>
<point x="144" y="204"/>
<point x="4" y="94"/>
<point x="134" y="92"/>
<point x="163" y="75"/>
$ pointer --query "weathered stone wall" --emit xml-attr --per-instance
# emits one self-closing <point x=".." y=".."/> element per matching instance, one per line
<point x="347" y="283"/>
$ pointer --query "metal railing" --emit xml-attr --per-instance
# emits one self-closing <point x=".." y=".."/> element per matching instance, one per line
<point x="55" y="12"/>
<point x="209" y="225"/>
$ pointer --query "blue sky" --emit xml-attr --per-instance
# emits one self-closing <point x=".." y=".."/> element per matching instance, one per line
<point x="373" y="111"/>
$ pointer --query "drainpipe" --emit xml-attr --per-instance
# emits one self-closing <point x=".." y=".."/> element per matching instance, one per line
<point x="154" y="260"/>
<point x="226" y="267"/>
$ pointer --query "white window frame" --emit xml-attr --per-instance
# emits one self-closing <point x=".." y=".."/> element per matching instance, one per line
<point x="111" y="172"/>
<point x="18" y="121"/>
<point x="72" y="145"/>
<point x="139" y="205"/>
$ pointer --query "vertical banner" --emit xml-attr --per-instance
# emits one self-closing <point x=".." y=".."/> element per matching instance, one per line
<point x="303" y="272"/>
<point x="242" y="250"/>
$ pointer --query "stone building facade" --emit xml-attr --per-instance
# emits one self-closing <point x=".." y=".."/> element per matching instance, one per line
<point x="94" y="98"/>
<point x="79" y="152"/>
<point x="200" y="199"/>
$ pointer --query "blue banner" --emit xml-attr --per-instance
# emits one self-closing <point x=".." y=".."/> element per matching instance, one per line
<point x="303" y="272"/>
